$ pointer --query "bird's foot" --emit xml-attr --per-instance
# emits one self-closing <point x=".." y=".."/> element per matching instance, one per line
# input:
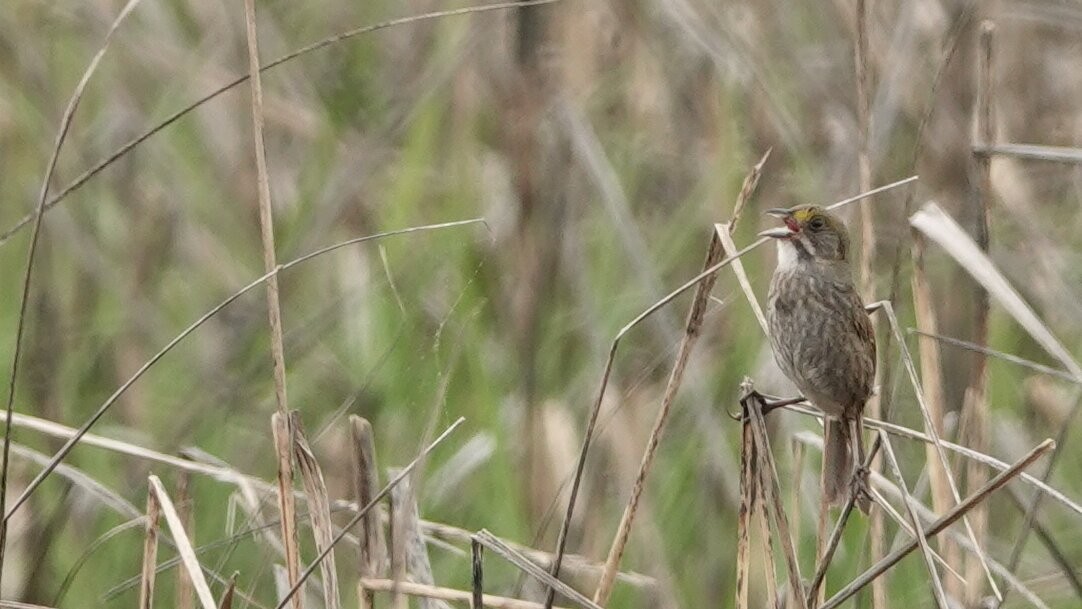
<point x="859" y="487"/>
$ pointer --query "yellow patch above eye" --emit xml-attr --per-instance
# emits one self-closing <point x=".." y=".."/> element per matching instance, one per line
<point x="803" y="215"/>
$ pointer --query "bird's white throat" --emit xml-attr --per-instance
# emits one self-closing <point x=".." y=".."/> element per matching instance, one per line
<point x="787" y="256"/>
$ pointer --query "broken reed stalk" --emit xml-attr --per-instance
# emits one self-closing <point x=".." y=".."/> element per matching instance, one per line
<point x="183" y="543"/>
<point x="769" y="558"/>
<point x="230" y="590"/>
<point x="477" y="574"/>
<point x="373" y="551"/>
<point x="958" y="511"/>
<point x="282" y="431"/>
<point x="926" y="552"/>
<point x="363" y="511"/>
<point x="319" y="509"/>
<point x="975" y="406"/>
<point x="768" y="478"/>
<point x="150" y="553"/>
<point x="747" y="505"/>
<point x="692" y="330"/>
<point x="752" y="506"/>
<point x="446" y="594"/>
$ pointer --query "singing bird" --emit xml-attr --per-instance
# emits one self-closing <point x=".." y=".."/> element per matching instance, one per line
<point x="821" y="335"/>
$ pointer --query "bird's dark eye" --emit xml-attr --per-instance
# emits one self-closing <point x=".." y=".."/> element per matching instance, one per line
<point x="817" y="223"/>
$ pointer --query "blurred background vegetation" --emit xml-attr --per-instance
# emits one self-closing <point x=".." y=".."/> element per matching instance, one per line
<point x="599" y="141"/>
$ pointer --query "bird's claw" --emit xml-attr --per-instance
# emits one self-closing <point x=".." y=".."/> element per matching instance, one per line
<point x="859" y="487"/>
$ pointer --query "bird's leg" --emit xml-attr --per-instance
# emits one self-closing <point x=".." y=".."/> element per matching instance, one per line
<point x="769" y="405"/>
<point x="860" y="470"/>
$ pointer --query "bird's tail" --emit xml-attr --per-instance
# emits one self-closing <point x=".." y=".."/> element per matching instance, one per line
<point x="837" y="464"/>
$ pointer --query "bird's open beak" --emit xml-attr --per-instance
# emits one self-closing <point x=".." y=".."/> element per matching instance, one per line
<point x="782" y="232"/>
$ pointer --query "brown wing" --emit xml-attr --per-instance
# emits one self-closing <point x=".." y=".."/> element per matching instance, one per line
<point x="865" y="332"/>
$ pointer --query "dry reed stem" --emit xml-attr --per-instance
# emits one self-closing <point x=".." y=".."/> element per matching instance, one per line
<point x="575" y="564"/>
<point x="477" y="574"/>
<point x="282" y="430"/>
<point x="446" y="594"/>
<point x="363" y="511"/>
<point x="532" y="569"/>
<point x="752" y="505"/>
<point x="768" y="555"/>
<point x="724" y="232"/>
<point x="35" y="236"/>
<point x="406" y="533"/>
<point x="867" y="250"/>
<point x="373" y="551"/>
<point x="184" y="598"/>
<point x="183" y="543"/>
<point x="1032" y="152"/>
<point x="864" y="163"/>
<point x="150" y="553"/>
<point x="958" y="511"/>
<point x="933" y="433"/>
<point x="931" y="378"/>
<point x="1007" y="357"/>
<point x="692" y="330"/>
<point x="799" y="454"/>
<point x="77" y="435"/>
<point x="938" y="226"/>
<point x="227" y="595"/>
<point x="319" y="509"/>
<point x="768" y="479"/>
<point x="747" y="506"/>
<point x="266" y="213"/>
<point x="821" y="547"/>
<point x="315" y="46"/>
<point x="1030" y="512"/>
<point x="397" y="543"/>
<point x="966" y="452"/>
<point x="937" y="584"/>
<point x="908" y="528"/>
<point x="975" y="406"/>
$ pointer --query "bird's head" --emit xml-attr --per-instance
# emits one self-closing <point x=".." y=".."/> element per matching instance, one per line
<point x="810" y="233"/>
